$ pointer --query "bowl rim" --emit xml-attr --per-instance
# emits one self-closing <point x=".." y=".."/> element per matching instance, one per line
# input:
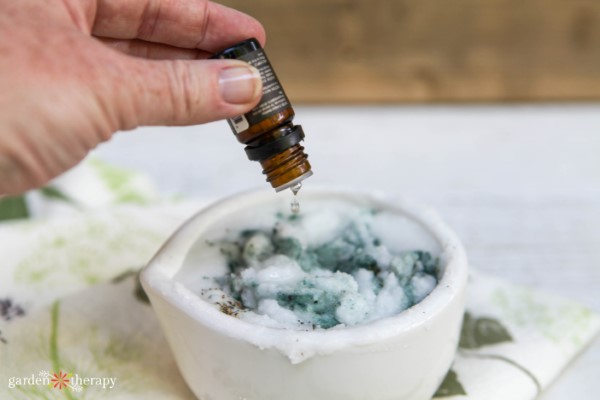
<point x="157" y="277"/>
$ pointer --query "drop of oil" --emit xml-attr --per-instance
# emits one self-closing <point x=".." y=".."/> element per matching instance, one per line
<point x="295" y="206"/>
<point x="296" y="188"/>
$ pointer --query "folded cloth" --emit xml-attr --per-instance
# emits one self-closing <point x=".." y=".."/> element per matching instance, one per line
<point x="515" y="341"/>
<point x="75" y="323"/>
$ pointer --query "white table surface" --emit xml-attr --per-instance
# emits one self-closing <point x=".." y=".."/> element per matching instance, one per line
<point x="520" y="184"/>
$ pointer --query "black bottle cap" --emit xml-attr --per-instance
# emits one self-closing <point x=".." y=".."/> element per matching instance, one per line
<point x="238" y="50"/>
<point x="269" y="149"/>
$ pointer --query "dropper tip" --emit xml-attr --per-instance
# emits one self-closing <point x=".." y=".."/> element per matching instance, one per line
<point x="293" y="182"/>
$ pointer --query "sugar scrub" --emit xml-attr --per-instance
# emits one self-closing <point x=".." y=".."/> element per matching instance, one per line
<point x="336" y="264"/>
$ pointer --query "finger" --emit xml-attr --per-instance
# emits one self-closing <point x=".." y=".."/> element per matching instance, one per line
<point x="154" y="51"/>
<point x="182" y="92"/>
<point x="198" y="24"/>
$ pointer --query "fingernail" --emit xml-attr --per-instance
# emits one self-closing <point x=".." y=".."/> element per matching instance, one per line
<point x="239" y="85"/>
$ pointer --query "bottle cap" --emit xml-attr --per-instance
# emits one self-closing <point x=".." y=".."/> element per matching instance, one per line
<point x="269" y="149"/>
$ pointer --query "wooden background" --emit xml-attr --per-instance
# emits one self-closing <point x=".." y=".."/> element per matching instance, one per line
<point x="432" y="50"/>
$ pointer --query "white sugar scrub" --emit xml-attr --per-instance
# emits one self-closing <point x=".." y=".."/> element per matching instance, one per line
<point x="336" y="264"/>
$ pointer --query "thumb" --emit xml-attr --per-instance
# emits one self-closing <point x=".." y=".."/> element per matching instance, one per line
<point x="185" y="92"/>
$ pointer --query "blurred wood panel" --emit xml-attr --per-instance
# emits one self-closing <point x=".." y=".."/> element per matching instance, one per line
<point x="432" y="50"/>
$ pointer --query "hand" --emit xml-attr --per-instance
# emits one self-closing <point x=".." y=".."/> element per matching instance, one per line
<point x="73" y="72"/>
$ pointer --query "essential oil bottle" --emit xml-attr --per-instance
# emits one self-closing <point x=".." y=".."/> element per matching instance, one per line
<point x="267" y="130"/>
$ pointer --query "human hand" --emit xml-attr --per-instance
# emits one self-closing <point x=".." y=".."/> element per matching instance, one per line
<point x="73" y="72"/>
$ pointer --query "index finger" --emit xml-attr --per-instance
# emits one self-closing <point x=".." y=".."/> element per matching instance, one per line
<point x="194" y="24"/>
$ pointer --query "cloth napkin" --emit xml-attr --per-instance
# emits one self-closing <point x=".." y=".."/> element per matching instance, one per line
<point x="76" y="324"/>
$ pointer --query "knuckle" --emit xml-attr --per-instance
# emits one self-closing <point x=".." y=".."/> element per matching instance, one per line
<point x="181" y="91"/>
<point x="150" y="19"/>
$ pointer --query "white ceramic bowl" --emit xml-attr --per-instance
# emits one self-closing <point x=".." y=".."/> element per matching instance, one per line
<point x="404" y="357"/>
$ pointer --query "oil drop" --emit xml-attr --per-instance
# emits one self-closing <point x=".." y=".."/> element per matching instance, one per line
<point x="295" y="203"/>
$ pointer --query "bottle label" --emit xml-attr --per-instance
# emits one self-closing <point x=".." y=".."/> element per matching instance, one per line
<point x="273" y="100"/>
<point x="239" y="123"/>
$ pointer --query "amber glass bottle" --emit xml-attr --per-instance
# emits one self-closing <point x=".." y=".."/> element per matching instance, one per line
<point x="267" y="130"/>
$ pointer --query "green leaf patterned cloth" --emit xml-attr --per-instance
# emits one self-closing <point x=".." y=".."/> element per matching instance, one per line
<point x="515" y="341"/>
<point x="75" y="323"/>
